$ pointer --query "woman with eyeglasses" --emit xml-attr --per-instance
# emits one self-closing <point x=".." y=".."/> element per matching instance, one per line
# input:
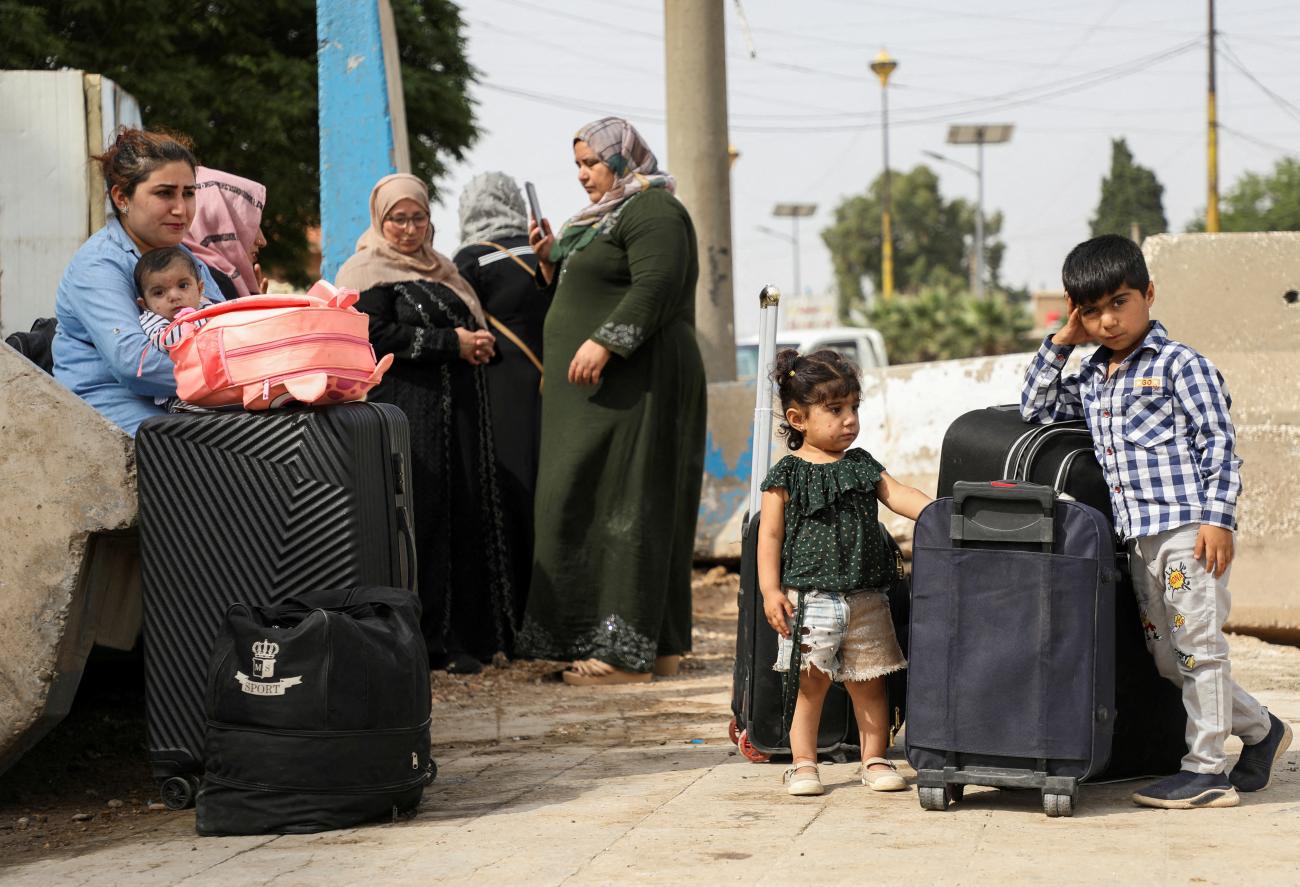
<point x="425" y="314"/>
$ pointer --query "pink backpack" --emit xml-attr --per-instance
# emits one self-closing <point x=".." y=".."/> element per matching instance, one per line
<point x="270" y="351"/>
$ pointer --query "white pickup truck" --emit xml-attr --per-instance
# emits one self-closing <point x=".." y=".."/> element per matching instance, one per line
<point x="862" y="345"/>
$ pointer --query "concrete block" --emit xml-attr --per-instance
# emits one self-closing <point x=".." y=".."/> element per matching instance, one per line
<point x="67" y="515"/>
<point x="1225" y="295"/>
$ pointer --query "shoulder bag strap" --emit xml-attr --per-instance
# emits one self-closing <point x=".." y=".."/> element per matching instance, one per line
<point x="501" y="327"/>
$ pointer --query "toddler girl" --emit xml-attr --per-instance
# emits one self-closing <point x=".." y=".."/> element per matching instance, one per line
<point x="819" y="549"/>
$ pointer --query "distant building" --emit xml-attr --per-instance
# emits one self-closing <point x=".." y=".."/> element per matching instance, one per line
<point x="1048" y="310"/>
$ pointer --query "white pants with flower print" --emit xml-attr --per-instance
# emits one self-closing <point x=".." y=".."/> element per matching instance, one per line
<point x="1183" y="609"/>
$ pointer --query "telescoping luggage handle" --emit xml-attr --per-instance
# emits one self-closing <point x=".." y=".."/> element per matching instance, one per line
<point x="769" y="301"/>
<point x="1023" y="513"/>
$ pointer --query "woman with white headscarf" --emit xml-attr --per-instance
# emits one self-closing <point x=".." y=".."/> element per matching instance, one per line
<point x="622" y="454"/>
<point x="429" y="318"/>
<point x="498" y="262"/>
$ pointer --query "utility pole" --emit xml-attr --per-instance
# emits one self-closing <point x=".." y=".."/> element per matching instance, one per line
<point x="1212" y="143"/>
<point x="883" y="66"/>
<point x="695" y="49"/>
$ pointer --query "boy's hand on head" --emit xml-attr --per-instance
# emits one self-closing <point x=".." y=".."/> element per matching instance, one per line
<point x="778" y="610"/>
<point x="1213" y="548"/>
<point x="1073" y="332"/>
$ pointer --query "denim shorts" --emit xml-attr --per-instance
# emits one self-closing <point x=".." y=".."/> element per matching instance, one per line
<point x="848" y="635"/>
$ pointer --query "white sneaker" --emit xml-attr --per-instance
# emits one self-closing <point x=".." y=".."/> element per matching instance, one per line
<point x="803" y="779"/>
<point x="882" y="780"/>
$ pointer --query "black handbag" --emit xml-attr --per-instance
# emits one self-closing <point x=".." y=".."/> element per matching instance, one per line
<point x="318" y="714"/>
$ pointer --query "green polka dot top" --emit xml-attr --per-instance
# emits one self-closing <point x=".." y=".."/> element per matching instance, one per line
<point x="831" y="540"/>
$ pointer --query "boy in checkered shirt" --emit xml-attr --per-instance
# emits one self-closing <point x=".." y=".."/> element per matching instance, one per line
<point x="1158" y="413"/>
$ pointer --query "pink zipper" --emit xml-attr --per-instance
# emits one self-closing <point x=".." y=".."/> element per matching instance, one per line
<point x="296" y="340"/>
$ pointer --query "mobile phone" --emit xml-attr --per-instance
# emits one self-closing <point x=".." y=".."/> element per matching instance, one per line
<point x="534" y="207"/>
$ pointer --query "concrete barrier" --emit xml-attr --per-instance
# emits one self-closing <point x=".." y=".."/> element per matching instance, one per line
<point x="70" y="577"/>
<point x="1225" y="295"/>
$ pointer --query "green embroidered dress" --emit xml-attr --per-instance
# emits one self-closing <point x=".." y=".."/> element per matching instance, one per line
<point x="618" y="486"/>
<point x="831" y="541"/>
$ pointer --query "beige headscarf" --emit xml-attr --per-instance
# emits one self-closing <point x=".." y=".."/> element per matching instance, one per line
<point x="377" y="261"/>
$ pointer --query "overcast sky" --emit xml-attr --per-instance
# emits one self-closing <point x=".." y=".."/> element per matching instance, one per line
<point x="804" y="113"/>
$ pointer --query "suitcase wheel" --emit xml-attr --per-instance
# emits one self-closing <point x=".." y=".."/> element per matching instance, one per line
<point x="933" y="797"/>
<point x="1058" y="805"/>
<point x="749" y="751"/>
<point x="733" y="732"/>
<point x="178" y="792"/>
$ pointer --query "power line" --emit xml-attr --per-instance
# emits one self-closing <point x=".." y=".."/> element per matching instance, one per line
<point x="1231" y="57"/>
<point x="1289" y="152"/>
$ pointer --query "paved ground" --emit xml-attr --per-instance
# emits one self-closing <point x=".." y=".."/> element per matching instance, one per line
<point x="544" y="784"/>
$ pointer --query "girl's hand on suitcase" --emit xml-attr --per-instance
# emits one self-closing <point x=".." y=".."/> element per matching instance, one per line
<point x="778" y="610"/>
<point x="1073" y="333"/>
<point x="1213" y="548"/>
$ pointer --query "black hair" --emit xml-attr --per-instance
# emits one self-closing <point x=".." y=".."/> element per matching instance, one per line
<point x="805" y="380"/>
<point x="1100" y="266"/>
<point x="136" y="153"/>
<point x="159" y="260"/>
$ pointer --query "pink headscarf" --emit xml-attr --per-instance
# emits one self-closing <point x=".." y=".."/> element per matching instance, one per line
<point x="226" y="218"/>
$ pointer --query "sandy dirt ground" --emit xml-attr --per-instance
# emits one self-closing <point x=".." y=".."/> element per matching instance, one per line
<point x="543" y="783"/>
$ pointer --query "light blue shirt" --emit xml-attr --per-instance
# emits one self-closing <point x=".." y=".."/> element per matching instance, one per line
<point x="98" y="342"/>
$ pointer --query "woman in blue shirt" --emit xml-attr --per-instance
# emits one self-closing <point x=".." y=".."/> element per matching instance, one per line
<point x="99" y="343"/>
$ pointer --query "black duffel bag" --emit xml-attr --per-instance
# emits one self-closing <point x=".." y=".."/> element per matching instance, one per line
<point x="318" y="714"/>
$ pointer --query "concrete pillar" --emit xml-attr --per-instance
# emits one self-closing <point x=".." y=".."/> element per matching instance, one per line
<point x="362" y="118"/>
<point x="696" y="69"/>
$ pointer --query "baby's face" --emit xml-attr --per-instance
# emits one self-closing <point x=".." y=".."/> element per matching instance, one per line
<point x="171" y="289"/>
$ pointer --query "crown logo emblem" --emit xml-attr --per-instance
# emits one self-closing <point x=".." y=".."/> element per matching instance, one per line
<point x="265" y="649"/>
<point x="264" y="653"/>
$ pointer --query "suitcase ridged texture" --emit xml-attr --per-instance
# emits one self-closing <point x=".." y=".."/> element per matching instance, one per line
<point x="253" y="507"/>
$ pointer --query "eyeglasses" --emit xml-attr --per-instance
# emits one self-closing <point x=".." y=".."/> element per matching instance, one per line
<point x="419" y="220"/>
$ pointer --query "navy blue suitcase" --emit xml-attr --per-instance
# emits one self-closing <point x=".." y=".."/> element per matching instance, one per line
<point x="1012" y="656"/>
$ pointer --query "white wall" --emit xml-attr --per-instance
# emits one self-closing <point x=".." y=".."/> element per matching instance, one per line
<point x="43" y="206"/>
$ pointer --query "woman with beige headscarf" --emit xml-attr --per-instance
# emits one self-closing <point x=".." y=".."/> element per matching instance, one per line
<point x="426" y="315"/>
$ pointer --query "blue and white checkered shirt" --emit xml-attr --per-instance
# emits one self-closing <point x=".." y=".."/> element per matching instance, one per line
<point x="1160" y="429"/>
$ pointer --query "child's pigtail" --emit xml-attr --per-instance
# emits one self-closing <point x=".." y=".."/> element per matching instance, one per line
<point x="783" y="374"/>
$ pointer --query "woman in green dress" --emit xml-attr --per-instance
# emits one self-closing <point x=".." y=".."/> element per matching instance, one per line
<point x="623" y="410"/>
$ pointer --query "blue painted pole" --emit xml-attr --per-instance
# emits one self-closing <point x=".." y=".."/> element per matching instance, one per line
<point x="356" y="131"/>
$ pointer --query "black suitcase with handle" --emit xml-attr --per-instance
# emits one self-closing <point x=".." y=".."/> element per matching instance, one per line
<point x="255" y="507"/>
<point x="994" y="444"/>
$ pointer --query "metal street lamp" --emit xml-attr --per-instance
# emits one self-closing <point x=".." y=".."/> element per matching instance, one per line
<point x="979" y="134"/>
<point x="883" y="66"/>
<point x="795" y="212"/>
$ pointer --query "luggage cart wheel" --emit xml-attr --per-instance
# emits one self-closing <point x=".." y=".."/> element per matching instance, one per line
<point x="1058" y="805"/>
<point x="749" y="751"/>
<point x="178" y="792"/>
<point x="733" y="732"/>
<point x="933" y="797"/>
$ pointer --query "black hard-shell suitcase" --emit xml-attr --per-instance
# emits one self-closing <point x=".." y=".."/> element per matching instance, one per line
<point x="1012" y="672"/>
<point x="757" y="691"/>
<point x="318" y="714"/>
<point x="255" y="507"/>
<point x="995" y="443"/>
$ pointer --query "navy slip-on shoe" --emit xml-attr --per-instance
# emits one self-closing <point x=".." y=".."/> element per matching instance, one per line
<point x="1255" y="766"/>
<point x="1186" y="790"/>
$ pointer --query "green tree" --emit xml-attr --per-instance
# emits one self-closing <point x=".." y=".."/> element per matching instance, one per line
<point x="1261" y="202"/>
<point x="239" y="77"/>
<point x="946" y="323"/>
<point x="1130" y="195"/>
<point x="932" y="240"/>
